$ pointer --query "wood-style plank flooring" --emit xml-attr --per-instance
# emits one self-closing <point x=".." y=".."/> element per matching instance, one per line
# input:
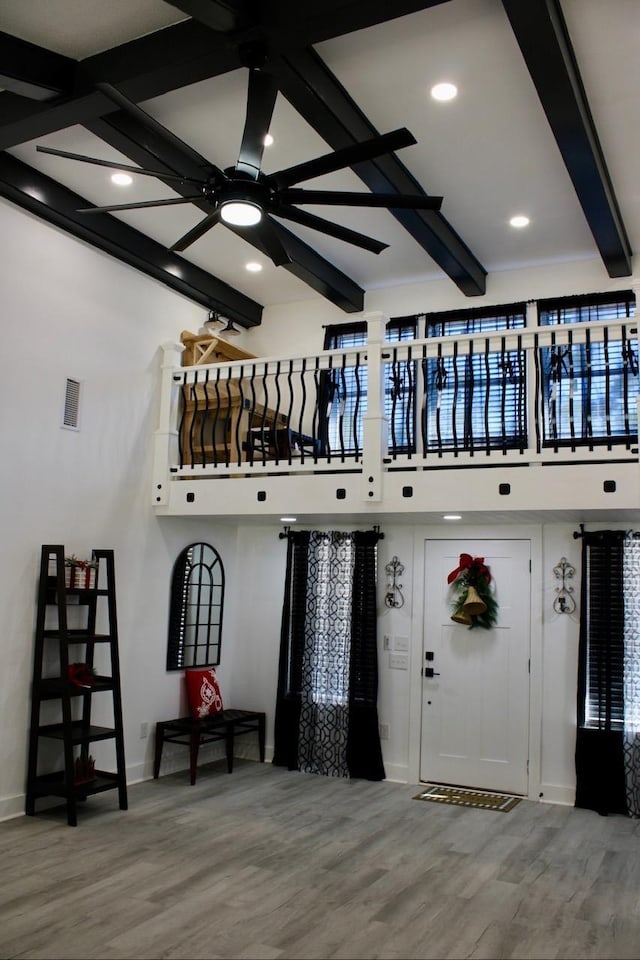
<point x="269" y="864"/>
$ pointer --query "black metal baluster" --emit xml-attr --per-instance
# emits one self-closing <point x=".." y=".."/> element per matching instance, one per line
<point x="394" y="399"/>
<point x="343" y="406"/>
<point x="587" y="399"/>
<point x="290" y="410"/>
<point x="204" y="418"/>
<point x="409" y="407"/>
<point x="425" y="402"/>
<point x="625" y="348"/>
<point x="504" y="367"/>
<point x="194" y="417"/>
<point x="249" y="441"/>
<point x="441" y="379"/>
<point x="572" y="386"/>
<point x="468" y="398"/>
<point x="523" y="438"/>
<point x="215" y="418"/>
<point x="487" y="389"/>
<point x="555" y="389"/>
<point x="303" y="395"/>
<point x="454" y="405"/>
<point x="264" y="429"/>
<point x="607" y="385"/>
<point x="182" y="410"/>
<point x="315" y="420"/>
<point x="276" y="415"/>
<point x="536" y="363"/>
<point x="356" y="408"/>
<point x="227" y="424"/>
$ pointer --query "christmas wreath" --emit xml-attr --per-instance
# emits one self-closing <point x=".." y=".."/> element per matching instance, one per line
<point x="474" y="603"/>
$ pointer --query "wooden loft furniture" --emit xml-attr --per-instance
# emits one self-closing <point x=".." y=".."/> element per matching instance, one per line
<point x="221" y="431"/>
<point x="204" y="348"/>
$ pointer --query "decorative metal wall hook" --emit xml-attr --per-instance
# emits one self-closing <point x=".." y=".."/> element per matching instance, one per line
<point x="393" y="597"/>
<point x="564" y="602"/>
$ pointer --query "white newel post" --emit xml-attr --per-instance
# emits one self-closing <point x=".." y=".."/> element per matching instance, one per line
<point x="166" y="436"/>
<point x="374" y="422"/>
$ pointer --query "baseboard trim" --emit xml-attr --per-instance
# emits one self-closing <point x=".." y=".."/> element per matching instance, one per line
<point x="553" y="793"/>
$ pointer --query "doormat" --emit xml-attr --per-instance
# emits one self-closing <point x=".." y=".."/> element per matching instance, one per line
<point x="469" y="798"/>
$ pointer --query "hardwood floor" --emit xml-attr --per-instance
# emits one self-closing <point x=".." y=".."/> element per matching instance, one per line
<point x="264" y="863"/>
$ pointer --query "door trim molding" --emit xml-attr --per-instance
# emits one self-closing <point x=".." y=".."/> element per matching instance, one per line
<point x="507" y="532"/>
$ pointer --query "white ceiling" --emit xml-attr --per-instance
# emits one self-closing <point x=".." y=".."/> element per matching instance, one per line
<point x="490" y="153"/>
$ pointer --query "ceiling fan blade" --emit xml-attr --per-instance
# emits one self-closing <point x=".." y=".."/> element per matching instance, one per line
<point x="345" y="198"/>
<point x="347" y="157"/>
<point x="117" y="166"/>
<point x="261" y="99"/>
<point x="267" y="232"/>
<point x="332" y="229"/>
<point x="148" y="121"/>
<point x="140" y="205"/>
<point x="196" y="232"/>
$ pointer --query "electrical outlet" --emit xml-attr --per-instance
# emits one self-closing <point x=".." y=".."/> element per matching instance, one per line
<point x="384" y="731"/>
<point x="398" y="661"/>
<point x="144" y="730"/>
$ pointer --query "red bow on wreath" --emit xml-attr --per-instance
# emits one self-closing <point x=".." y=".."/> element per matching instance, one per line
<point x="475" y="565"/>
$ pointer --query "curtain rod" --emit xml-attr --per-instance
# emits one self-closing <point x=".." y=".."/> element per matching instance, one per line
<point x="287" y="530"/>
<point x="578" y="536"/>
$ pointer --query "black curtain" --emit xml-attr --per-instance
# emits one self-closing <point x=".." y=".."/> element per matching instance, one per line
<point x="600" y="774"/>
<point x="363" y="750"/>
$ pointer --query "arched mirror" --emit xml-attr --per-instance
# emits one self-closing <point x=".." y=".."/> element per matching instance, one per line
<point x="195" y="616"/>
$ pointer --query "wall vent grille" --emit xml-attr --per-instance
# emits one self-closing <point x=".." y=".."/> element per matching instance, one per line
<point x="71" y="404"/>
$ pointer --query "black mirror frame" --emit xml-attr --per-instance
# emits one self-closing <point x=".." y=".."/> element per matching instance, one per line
<point x="180" y="583"/>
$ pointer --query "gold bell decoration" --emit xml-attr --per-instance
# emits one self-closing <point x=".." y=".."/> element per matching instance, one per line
<point x="462" y="617"/>
<point x="473" y="604"/>
<point x="473" y="599"/>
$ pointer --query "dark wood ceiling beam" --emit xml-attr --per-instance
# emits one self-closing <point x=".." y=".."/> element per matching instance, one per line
<point x="320" y="98"/>
<point x="149" y="148"/>
<point x="182" y="54"/>
<point x="32" y="71"/>
<point x="42" y="196"/>
<point x="544" y="40"/>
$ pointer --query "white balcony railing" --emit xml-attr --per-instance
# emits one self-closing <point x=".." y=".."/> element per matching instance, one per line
<point x="536" y="394"/>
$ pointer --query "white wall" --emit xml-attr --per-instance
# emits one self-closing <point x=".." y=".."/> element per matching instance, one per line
<point x="69" y="311"/>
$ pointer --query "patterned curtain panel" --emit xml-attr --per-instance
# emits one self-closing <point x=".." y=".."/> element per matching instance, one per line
<point x="326" y="711"/>
<point x="631" y="729"/>
<point x="608" y="735"/>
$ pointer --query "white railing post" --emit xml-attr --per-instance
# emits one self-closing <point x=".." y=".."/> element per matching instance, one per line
<point x="374" y="422"/>
<point x="165" y="437"/>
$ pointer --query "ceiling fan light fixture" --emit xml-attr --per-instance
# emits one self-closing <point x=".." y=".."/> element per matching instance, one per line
<point x="240" y="213"/>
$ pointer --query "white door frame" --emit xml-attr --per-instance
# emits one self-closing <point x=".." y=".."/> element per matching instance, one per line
<point x="453" y="531"/>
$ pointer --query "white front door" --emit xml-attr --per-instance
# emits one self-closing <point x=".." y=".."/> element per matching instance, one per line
<point x="475" y="709"/>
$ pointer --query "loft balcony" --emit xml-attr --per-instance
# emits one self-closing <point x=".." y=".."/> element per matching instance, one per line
<point x="538" y="418"/>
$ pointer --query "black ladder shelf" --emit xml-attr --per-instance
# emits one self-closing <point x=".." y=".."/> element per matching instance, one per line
<point x="63" y="645"/>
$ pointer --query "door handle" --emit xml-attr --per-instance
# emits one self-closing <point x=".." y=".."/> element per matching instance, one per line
<point x="430" y="672"/>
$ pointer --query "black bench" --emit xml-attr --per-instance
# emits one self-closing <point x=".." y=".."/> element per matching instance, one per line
<point x="193" y="732"/>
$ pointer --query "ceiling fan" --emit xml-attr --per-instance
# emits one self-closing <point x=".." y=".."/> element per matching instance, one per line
<point x="245" y="198"/>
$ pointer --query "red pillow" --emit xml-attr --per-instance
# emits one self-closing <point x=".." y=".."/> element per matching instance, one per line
<point x="203" y="692"/>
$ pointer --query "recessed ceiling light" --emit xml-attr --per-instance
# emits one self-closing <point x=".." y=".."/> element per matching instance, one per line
<point x="288" y="519"/>
<point x="444" y="91"/>
<point x="253" y="267"/>
<point x="452" y="516"/>
<point x="121" y="179"/>
<point x="268" y="140"/>
<point x="519" y="221"/>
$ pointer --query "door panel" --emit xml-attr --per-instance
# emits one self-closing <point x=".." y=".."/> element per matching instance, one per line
<point x="475" y="714"/>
